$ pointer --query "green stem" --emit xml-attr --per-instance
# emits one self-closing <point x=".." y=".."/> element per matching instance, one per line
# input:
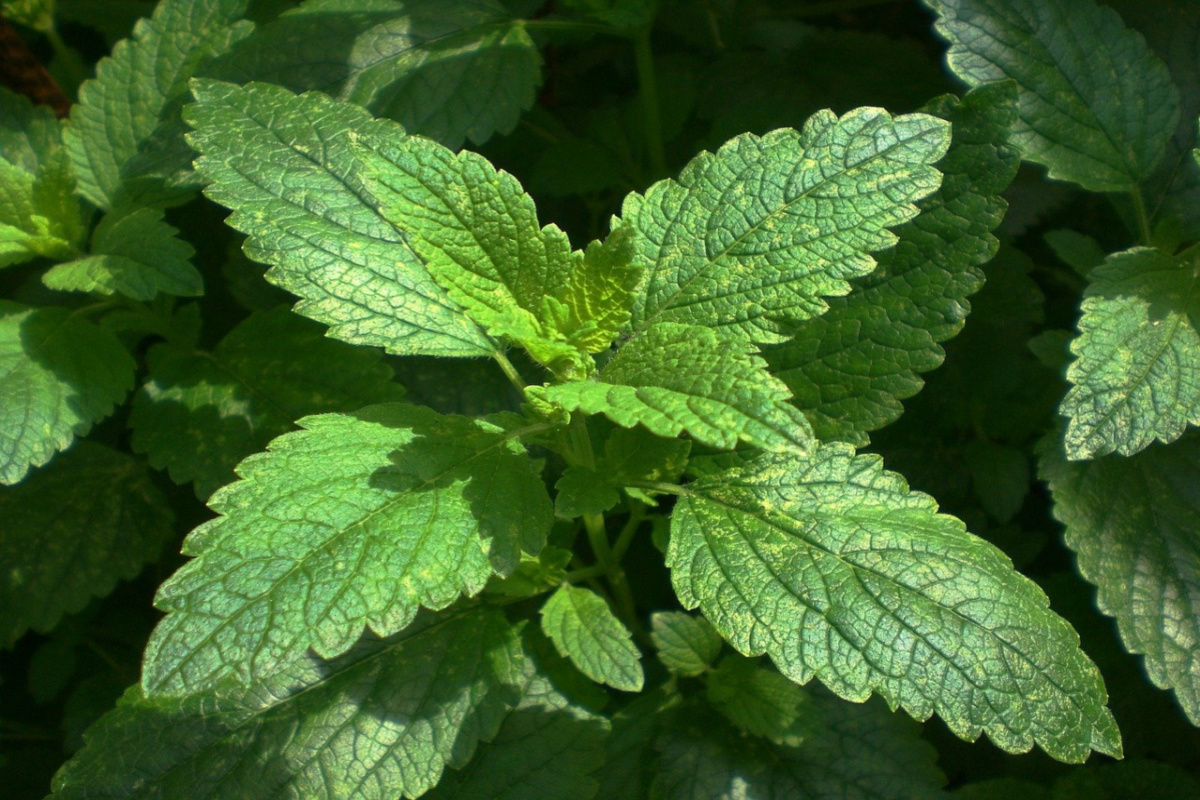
<point x="1143" y="219"/>
<point x="659" y="486"/>
<point x="650" y="108"/>
<point x="73" y="69"/>
<point x="585" y="573"/>
<point x="598" y="537"/>
<point x="510" y="371"/>
<point x="625" y="537"/>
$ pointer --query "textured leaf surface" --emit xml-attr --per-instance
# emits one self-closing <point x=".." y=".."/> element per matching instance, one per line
<point x="585" y="630"/>
<point x="849" y="368"/>
<point x="58" y="374"/>
<point x="284" y="164"/>
<point x="687" y="644"/>
<point x="39" y="216"/>
<point x="1134" y="524"/>
<point x="684" y="379"/>
<point x="71" y="531"/>
<point x="583" y="491"/>
<point x="760" y="701"/>
<point x="354" y="521"/>
<point x="599" y="292"/>
<point x="835" y="569"/>
<point x="1097" y="106"/>
<point x="1137" y="372"/>
<point x="855" y="753"/>
<point x="145" y="77"/>
<point x="748" y="240"/>
<point x="133" y="253"/>
<point x="201" y="413"/>
<point x="452" y="70"/>
<point x="378" y="723"/>
<point x="29" y="133"/>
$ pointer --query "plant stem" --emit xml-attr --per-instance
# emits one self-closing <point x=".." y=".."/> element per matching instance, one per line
<point x="598" y="537"/>
<point x="1139" y="211"/>
<point x="625" y="537"/>
<point x="73" y="69"/>
<point x="659" y="486"/>
<point x="510" y="371"/>
<point x="585" y="573"/>
<point x="652" y="122"/>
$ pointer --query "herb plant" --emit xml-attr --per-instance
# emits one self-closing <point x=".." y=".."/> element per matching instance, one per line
<point x="485" y="505"/>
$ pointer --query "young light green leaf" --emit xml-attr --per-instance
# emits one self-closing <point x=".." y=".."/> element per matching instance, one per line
<point x="39" y="216"/>
<point x="599" y="292"/>
<point x="748" y="240"/>
<point x="687" y="644"/>
<point x="583" y="491"/>
<point x="72" y="530"/>
<point x="1132" y="523"/>
<point x="836" y="570"/>
<point x="59" y="374"/>
<point x="133" y="253"/>
<point x="29" y="134"/>
<point x="380" y="722"/>
<point x="452" y="70"/>
<point x="285" y="166"/>
<point x="849" y="368"/>
<point x="1136" y="377"/>
<point x="135" y="88"/>
<point x="1097" y="106"/>
<point x="677" y="379"/>
<point x="201" y="413"/>
<point x="354" y="521"/>
<point x="760" y="701"/>
<point x="585" y="630"/>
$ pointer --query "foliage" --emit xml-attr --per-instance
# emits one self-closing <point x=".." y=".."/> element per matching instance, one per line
<point x="636" y="399"/>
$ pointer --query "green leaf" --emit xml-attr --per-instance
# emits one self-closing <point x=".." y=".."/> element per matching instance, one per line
<point x="201" y="413"/>
<point x="599" y="292"/>
<point x="1145" y="780"/>
<point x="380" y="722"/>
<point x="354" y="521"/>
<point x="1078" y="251"/>
<point x="999" y="476"/>
<point x="452" y="70"/>
<point x="635" y="454"/>
<point x="836" y="570"/>
<point x="760" y="702"/>
<point x="59" y="374"/>
<point x="684" y="379"/>
<point x="849" y="368"/>
<point x="1001" y="789"/>
<point x="1097" y="106"/>
<point x="285" y="166"/>
<point x="38" y="214"/>
<point x="133" y="253"/>
<point x="582" y="491"/>
<point x="1133" y="524"/>
<point x="72" y="530"/>
<point x="687" y="644"/>
<point x="1136" y="377"/>
<point x="29" y="134"/>
<point x="134" y="90"/>
<point x="586" y="631"/>
<point x="748" y="240"/>
<point x="855" y="753"/>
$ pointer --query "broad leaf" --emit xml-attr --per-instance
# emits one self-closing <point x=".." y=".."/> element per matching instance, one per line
<point x="585" y="630"/>
<point x="201" y="413"/>
<point x="687" y="644"/>
<point x="1137" y="372"/>
<point x="354" y="521"/>
<point x="760" y="701"/>
<point x="748" y="240"/>
<point x="381" y="722"/>
<point x="1097" y="106"/>
<point x="850" y="367"/>
<point x="836" y="570"/>
<point x="685" y="379"/>
<point x="583" y="491"/>
<point x="72" y="530"/>
<point x="285" y="165"/>
<point x="452" y="70"/>
<point x="135" y="88"/>
<point x="599" y="292"/>
<point x="1134" y="524"/>
<point x="59" y="374"/>
<point x="133" y="253"/>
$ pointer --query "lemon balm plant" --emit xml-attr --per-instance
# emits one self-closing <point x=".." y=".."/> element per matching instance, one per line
<point x="504" y="507"/>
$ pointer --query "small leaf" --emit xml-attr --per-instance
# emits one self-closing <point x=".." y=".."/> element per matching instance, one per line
<point x="29" y="134"/>
<point x="582" y="491"/>
<point x="59" y="374"/>
<point x="70" y="531"/>
<point x="1078" y="251"/>
<point x="999" y="476"/>
<point x="354" y="521"/>
<point x="585" y="630"/>
<point x="761" y="702"/>
<point x="599" y="292"/>
<point x="39" y="215"/>
<point x="687" y="644"/>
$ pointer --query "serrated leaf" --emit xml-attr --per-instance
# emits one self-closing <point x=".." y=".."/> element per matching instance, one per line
<point x="59" y="374"/>
<point x="849" y="368"/>
<point x="1136" y="377"/>
<point x="761" y="702"/>
<point x="599" y="292"/>
<point x="354" y="521"/>
<point x="285" y="166"/>
<point x="1133" y="524"/>
<point x="405" y="707"/>
<point x="855" y="753"/>
<point x="585" y="630"/>
<point x="836" y="570"/>
<point x="677" y="379"/>
<point x="687" y="644"/>
<point x="452" y="70"/>
<point x="582" y="491"/>
<point x="39" y="216"/>
<point x="748" y="240"/>
<point x="1097" y="106"/>
<point x="143" y="80"/>
<point x="629" y="750"/>
<point x="72" y="530"/>
<point x="134" y="253"/>
<point x="201" y="413"/>
<point x="29" y="134"/>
